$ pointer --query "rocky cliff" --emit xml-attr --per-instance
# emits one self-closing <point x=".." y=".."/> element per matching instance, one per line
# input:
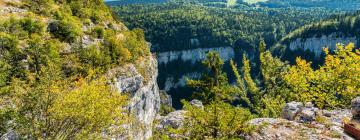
<point x="144" y="95"/>
<point x="176" y="66"/>
<point x="316" y="44"/>
<point x="194" y="55"/>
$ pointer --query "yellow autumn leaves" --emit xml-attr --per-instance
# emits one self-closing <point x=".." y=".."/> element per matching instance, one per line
<point x="332" y="85"/>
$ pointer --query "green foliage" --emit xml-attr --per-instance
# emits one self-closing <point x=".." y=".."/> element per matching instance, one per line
<point x="88" y="110"/>
<point x="217" y="120"/>
<point x="333" y="85"/>
<point x="213" y="85"/>
<point x="43" y="64"/>
<point x="343" y="25"/>
<point x="94" y="58"/>
<point x="252" y="87"/>
<point x="98" y="32"/>
<point x="31" y="26"/>
<point x="165" y="109"/>
<point x="178" y="24"/>
<point x="39" y="6"/>
<point x="114" y="47"/>
<point x="66" y="30"/>
<point x="40" y="53"/>
<point x="136" y="43"/>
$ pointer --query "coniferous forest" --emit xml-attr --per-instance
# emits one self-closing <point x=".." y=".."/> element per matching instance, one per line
<point x="179" y="69"/>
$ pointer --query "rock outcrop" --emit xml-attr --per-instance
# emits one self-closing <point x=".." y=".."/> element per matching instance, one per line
<point x="174" y="120"/>
<point x="194" y="55"/>
<point x="355" y="107"/>
<point x="144" y="93"/>
<point x="291" y="110"/>
<point x="316" y="44"/>
<point x="197" y="103"/>
<point x="302" y="122"/>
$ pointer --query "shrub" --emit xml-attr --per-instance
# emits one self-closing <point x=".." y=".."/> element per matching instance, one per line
<point x="65" y="30"/>
<point x="98" y="32"/>
<point x="218" y="120"/>
<point x="39" y="6"/>
<point x="32" y="26"/>
<point x="94" y="58"/>
<point x="114" y="48"/>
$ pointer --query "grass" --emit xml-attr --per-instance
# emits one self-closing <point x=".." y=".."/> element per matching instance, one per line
<point x="231" y="3"/>
<point x="254" y="1"/>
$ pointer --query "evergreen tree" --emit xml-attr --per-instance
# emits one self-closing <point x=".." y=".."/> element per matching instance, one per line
<point x="213" y="85"/>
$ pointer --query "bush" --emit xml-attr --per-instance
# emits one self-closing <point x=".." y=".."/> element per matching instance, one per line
<point x="218" y="120"/>
<point x="166" y="109"/>
<point x="114" y="48"/>
<point x="32" y="26"/>
<point x="39" y="6"/>
<point x="65" y="30"/>
<point x="94" y="58"/>
<point x="98" y="32"/>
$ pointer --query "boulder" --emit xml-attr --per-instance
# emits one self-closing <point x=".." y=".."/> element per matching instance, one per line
<point x="327" y="113"/>
<point x="165" y="98"/>
<point x="174" y="120"/>
<point x="10" y="135"/>
<point x="291" y="110"/>
<point x="355" y="107"/>
<point x="308" y="113"/>
<point x="309" y="105"/>
<point x="197" y="103"/>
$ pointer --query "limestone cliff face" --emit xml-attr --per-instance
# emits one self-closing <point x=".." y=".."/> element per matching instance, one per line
<point x="144" y="101"/>
<point x="191" y="56"/>
<point x="194" y="55"/>
<point x="316" y="44"/>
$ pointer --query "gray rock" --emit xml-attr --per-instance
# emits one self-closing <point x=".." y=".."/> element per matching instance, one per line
<point x="309" y="105"/>
<point x="197" y="103"/>
<point x="174" y="120"/>
<point x="144" y="97"/>
<point x="327" y="113"/>
<point x="355" y="107"/>
<point x="307" y="115"/>
<point x="11" y="10"/>
<point x="10" y="135"/>
<point x="165" y="98"/>
<point x="126" y="84"/>
<point x="291" y="110"/>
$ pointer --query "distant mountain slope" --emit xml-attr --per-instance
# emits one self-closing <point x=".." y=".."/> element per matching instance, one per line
<point x="127" y="2"/>
<point x="332" y="4"/>
<point x="308" y="41"/>
<point x="174" y="26"/>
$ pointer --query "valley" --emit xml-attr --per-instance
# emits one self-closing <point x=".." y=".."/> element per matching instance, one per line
<point x="179" y="69"/>
<point x="179" y="30"/>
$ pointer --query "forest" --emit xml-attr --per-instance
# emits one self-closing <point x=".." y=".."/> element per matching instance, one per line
<point x="80" y="69"/>
<point x="179" y="26"/>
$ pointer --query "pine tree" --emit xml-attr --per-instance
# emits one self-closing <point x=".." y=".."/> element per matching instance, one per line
<point x="214" y="84"/>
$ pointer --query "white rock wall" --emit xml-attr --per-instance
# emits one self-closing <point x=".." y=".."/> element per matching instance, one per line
<point x="144" y="99"/>
<point x="316" y="45"/>
<point x="194" y="55"/>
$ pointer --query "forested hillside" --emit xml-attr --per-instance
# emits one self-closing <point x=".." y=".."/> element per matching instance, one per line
<point x="337" y="29"/>
<point x="342" y="25"/>
<point x="330" y="4"/>
<point x="178" y="26"/>
<point x="77" y="69"/>
<point x="126" y="2"/>
<point x="53" y="58"/>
